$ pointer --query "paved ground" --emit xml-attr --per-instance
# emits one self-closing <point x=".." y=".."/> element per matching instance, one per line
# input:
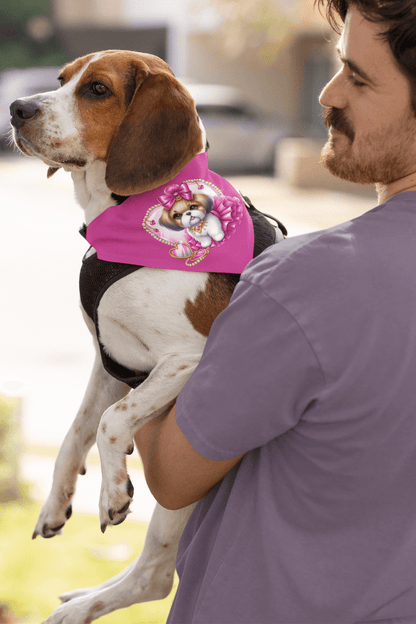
<point x="45" y="350"/>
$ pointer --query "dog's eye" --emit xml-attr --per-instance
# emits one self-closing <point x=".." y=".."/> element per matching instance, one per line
<point x="177" y="215"/>
<point x="194" y="207"/>
<point x="99" y="89"/>
<point x="61" y="80"/>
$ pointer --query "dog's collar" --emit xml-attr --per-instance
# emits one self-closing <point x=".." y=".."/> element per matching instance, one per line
<point x="131" y="233"/>
<point x="198" y="228"/>
<point x="83" y="231"/>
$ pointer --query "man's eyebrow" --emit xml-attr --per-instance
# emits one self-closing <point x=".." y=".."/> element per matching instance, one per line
<point x="352" y="66"/>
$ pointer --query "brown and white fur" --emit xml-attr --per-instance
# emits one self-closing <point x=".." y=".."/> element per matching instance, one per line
<point x="122" y="124"/>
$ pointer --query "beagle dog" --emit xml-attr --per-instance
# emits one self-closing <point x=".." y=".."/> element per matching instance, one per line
<point x="122" y="124"/>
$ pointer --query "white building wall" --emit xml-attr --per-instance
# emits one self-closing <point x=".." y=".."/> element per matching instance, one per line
<point x="182" y="17"/>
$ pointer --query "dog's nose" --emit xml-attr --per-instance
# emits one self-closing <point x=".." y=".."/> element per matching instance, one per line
<point x="21" y="111"/>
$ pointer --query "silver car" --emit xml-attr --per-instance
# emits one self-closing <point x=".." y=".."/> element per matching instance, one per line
<point x="241" y="136"/>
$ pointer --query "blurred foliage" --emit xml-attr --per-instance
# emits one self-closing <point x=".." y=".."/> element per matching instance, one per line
<point x="34" y="572"/>
<point x="260" y="26"/>
<point x="21" y="45"/>
<point x="10" y="445"/>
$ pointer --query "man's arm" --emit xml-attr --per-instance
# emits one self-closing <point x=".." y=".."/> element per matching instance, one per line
<point x="177" y="475"/>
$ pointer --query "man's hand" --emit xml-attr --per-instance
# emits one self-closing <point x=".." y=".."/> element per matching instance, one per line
<point x="176" y="473"/>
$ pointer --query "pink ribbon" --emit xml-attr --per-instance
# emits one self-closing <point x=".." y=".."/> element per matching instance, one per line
<point x="172" y="192"/>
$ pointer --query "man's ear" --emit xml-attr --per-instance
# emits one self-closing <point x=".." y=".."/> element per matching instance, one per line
<point x="157" y="137"/>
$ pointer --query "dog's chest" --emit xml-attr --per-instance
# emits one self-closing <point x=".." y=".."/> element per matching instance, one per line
<point x="143" y="316"/>
<point x="201" y="228"/>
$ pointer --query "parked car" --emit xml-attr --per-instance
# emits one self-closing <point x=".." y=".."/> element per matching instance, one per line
<point x="241" y="137"/>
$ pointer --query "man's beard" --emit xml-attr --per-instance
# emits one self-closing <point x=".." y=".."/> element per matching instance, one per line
<point x="380" y="157"/>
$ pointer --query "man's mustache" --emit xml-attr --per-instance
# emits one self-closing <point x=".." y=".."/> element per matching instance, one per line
<point x="336" y="118"/>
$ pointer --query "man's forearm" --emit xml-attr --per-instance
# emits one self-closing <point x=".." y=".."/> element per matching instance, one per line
<point x="147" y="440"/>
<point x="176" y="473"/>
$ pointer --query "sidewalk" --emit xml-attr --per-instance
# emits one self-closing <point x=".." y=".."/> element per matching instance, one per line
<point x="44" y="343"/>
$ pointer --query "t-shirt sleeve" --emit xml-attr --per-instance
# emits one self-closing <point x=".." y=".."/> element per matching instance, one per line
<point x="257" y="375"/>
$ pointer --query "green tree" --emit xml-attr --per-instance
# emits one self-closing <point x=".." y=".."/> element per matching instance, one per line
<point x="27" y="35"/>
<point x="261" y="26"/>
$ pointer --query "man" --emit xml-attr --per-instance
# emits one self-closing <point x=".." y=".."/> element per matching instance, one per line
<point x="298" y="428"/>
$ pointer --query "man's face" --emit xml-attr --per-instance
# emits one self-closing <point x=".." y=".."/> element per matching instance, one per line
<point x="372" y="126"/>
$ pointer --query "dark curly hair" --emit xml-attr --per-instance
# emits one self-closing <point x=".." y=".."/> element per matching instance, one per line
<point x="399" y="18"/>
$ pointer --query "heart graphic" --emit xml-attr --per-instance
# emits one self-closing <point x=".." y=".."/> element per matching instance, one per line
<point x="181" y="250"/>
<point x="197" y="257"/>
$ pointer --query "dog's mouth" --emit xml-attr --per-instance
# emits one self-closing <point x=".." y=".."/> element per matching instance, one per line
<point x="21" y="143"/>
<point x="55" y="162"/>
<point x="192" y="218"/>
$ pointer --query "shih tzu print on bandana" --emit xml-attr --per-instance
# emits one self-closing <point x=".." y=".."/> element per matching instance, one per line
<point x="196" y="222"/>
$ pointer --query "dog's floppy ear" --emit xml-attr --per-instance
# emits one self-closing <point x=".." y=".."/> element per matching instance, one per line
<point x="52" y="171"/>
<point x="157" y="137"/>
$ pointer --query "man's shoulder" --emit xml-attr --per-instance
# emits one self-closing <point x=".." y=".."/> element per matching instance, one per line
<point x="317" y="265"/>
<point x="303" y="257"/>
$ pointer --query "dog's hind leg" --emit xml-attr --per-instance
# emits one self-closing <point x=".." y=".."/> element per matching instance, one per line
<point x="86" y="591"/>
<point x="102" y="391"/>
<point x="149" y="577"/>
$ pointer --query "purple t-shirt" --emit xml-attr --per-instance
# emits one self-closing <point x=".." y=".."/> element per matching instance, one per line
<point x="311" y="370"/>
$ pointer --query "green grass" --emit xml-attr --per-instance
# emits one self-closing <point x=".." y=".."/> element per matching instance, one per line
<point x="34" y="572"/>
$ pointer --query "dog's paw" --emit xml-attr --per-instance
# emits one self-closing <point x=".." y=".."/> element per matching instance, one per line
<point x="77" y="593"/>
<point x="115" y="499"/>
<point x="116" y="488"/>
<point x="78" y="611"/>
<point x="53" y="516"/>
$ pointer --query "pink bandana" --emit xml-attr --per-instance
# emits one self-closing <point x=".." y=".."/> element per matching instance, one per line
<point x="196" y="222"/>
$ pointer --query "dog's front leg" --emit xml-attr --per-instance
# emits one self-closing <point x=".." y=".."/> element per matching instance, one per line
<point x="121" y="421"/>
<point x="102" y="391"/>
<point x="149" y="577"/>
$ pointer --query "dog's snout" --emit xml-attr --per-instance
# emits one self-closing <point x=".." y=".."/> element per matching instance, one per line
<point x="23" y="110"/>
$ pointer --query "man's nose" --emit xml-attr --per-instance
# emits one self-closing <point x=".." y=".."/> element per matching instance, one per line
<point x="333" y="93"/>
<point x="21" y="111"/>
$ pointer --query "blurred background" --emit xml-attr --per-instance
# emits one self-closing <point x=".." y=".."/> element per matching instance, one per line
<point x="255" y="69"/>
<point x="273" y="53"/>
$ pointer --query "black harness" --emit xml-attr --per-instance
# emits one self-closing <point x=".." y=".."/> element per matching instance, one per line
<point x="95" y="278"/>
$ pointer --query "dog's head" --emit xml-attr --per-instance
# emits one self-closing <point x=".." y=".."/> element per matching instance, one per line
<point x="187" y="213"/>
<point x="124" y="108"/>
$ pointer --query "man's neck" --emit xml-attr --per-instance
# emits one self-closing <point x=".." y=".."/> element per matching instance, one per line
<point x="387" y="191"/>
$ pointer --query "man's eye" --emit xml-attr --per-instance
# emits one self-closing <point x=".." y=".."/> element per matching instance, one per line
<point x="99" y="89"/>
<point x="353" y="80"/>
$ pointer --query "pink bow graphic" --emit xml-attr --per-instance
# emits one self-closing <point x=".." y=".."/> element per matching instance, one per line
<point x="171" y="193"/>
